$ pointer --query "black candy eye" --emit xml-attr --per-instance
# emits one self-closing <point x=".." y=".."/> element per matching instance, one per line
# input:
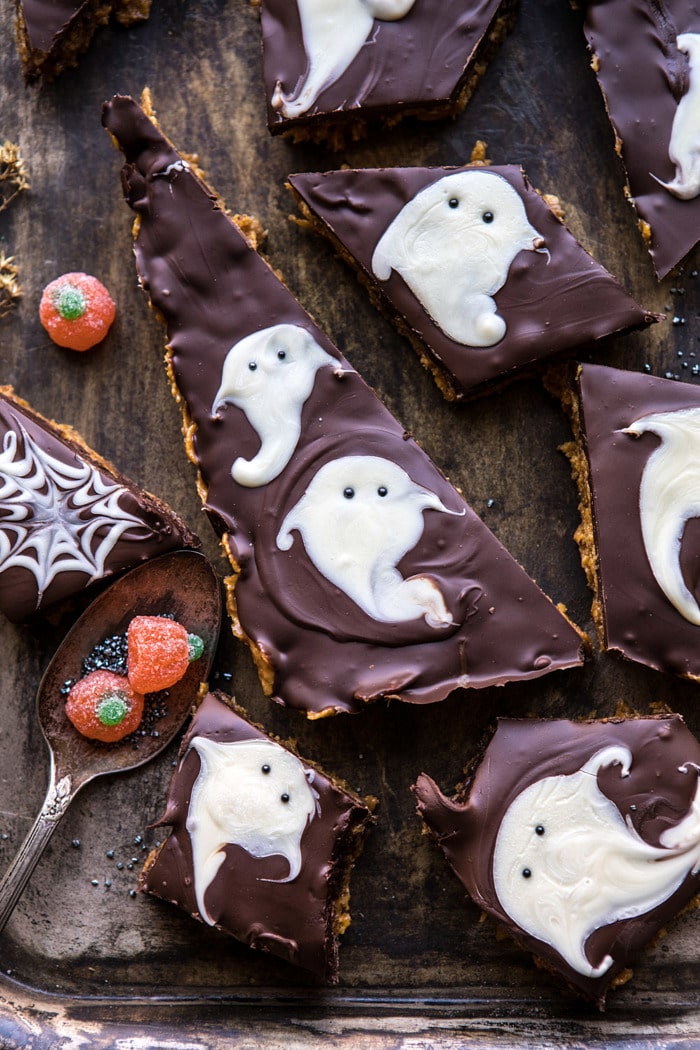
<point x="348" y="492"/>
<point x="266" y="769"/>
<point x="285" y="797"/>
<point x="527" y="873"/>
<point x="382" y="490"/>
<point x="453" y="202"/>
<point x="252" y="365"/>
<point x="487" y="216"/>
<point x="281" y="354"/>
<point x="539" y="830"/>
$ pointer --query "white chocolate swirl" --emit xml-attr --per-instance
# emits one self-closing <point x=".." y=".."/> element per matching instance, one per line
<point x="566" y="863"/>
<point x="669" y="496"/>
<point x="334" y="32"/>
<point x="453" y="245"/>
<point x="269" y="375"/>
<point x="251" y="793"/>
<point x="684" y="145"/>
<point x="358" y="517"/>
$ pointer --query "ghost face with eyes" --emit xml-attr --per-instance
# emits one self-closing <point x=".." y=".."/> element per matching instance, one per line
<point x="358" y="517"/>
<point x="250" y="793"/>
<point x="566" y="862"/>
<point x="269" y="375"/>
<point x="453" y="245"/>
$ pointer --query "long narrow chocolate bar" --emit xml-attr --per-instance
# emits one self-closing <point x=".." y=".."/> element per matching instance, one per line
<point x="359" y="571"/>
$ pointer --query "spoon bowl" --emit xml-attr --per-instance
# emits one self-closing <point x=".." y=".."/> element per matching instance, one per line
<point x="181" y="584"/>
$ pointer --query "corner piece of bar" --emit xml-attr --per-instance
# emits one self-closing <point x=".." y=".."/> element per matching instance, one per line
<point x="582" y="839"/>
<point x="417" y="238"/>
<point x="330" y="69"/>
<point x="646" y="57"/>
<point x="273" y="869"/>
<point x="636" y="459"/>
<point x="68" y="518"/>
<point x="359" y="572"/>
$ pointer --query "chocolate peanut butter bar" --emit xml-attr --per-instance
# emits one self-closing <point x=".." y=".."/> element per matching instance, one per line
<point x="359" y="572"/>
<point x="272" y="866"/>
<point x="472" y="264"/>
<point x="581" y="838"/>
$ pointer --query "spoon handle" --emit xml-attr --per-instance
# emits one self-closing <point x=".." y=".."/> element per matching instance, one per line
<point x="58" y="797"/>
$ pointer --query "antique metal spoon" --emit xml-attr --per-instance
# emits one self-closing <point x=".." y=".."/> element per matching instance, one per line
<point x="182" y="584"/>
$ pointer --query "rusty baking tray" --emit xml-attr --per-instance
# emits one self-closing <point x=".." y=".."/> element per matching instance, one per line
<point x="83" y="958"/>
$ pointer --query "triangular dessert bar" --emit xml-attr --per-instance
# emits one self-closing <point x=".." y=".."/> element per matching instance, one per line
<point x="471" y="264"/>
<point x="67" y="517"/>
<point x="53" y="35"/>
<point x="359" y="571"/>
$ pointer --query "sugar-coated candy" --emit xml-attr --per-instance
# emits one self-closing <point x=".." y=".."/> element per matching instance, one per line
<point x="104" y="706"/>
<point x="159" y="651"/>
<point x="76" y="310"/>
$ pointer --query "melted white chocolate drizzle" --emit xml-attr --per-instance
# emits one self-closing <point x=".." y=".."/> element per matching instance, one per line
<point x="358" y="517"/>
<point x="684" y="145"/>
<point x="669" y="496"/>
<point x="269" y="375"/>
<point x="453" y="245"/>
<point x="251" y="793"/>
<point x="334" y="31"/>
<point x="57" y="517"/>
<point x="566" y="863"/>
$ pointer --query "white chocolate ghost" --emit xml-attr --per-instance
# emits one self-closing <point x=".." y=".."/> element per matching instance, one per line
<point x="334" y="32"/>
<point x="269" y="375"/>
<point x="358" y="517"/>
<point x="669" y="496"/>
<point x="251" y="793"/>
<point x="453" y="245"/>
<point x="566" y="863"/>
<point x="684" y="146"/>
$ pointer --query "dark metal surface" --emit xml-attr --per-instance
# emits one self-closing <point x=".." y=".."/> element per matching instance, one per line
<point x="81" y="958"/>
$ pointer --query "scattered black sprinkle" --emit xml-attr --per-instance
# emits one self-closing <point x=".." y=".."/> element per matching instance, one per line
<point x="132" y="893"/>
<point x="110" y="854"/>
<point x="95" y="882"/>
<point x="75" y="843"/>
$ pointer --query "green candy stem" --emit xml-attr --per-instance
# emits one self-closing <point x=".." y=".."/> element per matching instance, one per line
<point x="70" y="302"/>
<point x="112" y="709"/>
<point x="195" y="646"/>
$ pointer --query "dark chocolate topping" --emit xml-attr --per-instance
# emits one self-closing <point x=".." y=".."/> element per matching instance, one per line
<point x="327" y="654"/>
<point x="294" y="920"/>
<point x="66" y="519"/>
<point x="550" y="302"/>
<point x="414" y="62"/>
<point x="642" y="75"/>
<point x="639" y="619"/>
<point x="655" y="796"/>
<point x="45" y="20"/>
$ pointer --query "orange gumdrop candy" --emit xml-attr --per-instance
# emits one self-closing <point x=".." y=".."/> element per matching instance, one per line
<point x="104" y="706"/>
<point x="76" y="310"/>
<point x="158" y="653"/>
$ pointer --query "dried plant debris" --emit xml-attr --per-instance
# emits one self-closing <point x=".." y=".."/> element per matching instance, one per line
<point x="10" y="288"/>
<point x="13" y="173"/>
